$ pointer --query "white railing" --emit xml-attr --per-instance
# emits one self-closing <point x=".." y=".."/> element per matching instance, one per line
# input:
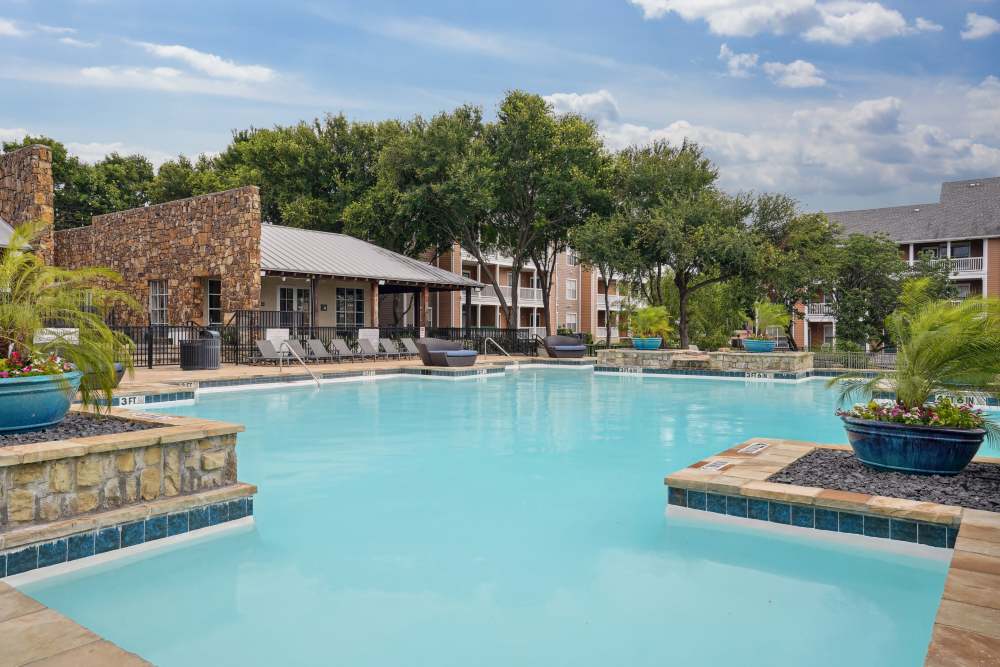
<point x="602" y="333"/>
<point x="819" y="309"/>
<point x="615" y="299"/>
<point x="529" y="294"/>
<point x="963" y="264"/>
<point x="535" y="331"/>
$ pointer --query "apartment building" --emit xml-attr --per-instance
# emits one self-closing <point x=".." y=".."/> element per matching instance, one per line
<point x="576" y="301"/>
<point x="963" y="226"/>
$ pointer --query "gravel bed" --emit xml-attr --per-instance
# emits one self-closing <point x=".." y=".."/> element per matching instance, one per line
<point x="75" y="425"/>
<point x="976" y="487"/>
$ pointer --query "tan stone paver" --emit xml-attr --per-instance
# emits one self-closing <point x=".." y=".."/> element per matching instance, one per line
<point x="951" y="647"/>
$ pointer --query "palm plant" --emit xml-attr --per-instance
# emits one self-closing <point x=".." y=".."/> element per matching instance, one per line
<point x="767" y="315"/>
<point x="67" y="305"/>
<point x="943" y="349"/>
<point x="651" y="322"/>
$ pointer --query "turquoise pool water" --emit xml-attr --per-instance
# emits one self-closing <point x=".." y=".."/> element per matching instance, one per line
<point x="508" y="521"/>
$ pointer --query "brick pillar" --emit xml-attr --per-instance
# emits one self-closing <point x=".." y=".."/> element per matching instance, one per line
<point x="27" y="193"/>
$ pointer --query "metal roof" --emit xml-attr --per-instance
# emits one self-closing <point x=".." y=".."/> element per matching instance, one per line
<point x="6" y="232"/>
<point x="294" y="250"/>
<point x="967" y="209"/>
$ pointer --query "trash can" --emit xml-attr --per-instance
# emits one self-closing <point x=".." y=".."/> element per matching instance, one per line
<point x="203" y="353"/>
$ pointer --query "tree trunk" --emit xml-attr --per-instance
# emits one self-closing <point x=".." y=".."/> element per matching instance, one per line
<point x="790" y="334"/>
<point x="682" y="309"/>
<point x="493" y="279"/>
<point x="607" y="309"/>
<point x="515" y="288"/>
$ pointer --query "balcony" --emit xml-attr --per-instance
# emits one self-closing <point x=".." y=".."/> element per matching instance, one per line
<point x="532" y="294"/>
<point x="962" y="265"/>
<point x="490" y="257"/>
<point x="820" y="309"/>
<point x="527" y="296"/>
<point x="615" y="299"/>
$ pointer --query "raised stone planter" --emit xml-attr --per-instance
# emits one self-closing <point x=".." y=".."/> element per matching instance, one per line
<point x="57" y="489"/>
<point x="781" y="362"/>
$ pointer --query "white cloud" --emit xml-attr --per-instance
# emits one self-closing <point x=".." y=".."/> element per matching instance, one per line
<point x="984" y="109"/>
<point x="12" y="133"/>
<point x="978" y="26"/>
<point x="857" y="152"/>
<point x="796" y="74"/>
<point x="739" y="65"/>
<point x="168" y="79"/>
<point x="842" y="23"/>
<point x="10" y="29"/>
<point x="600" y="106"/>
<point x="837" y="22"/>
<point x="55" y="29"/>
<point x="96" y="151"/>
<point x="210" y="64"/>
<point x="79" y="43"/>
<point x="923" y="25"/>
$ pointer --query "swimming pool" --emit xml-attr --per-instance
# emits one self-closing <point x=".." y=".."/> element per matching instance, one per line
<point x="516" y="520"/>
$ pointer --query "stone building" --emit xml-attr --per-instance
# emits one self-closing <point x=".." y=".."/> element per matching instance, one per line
<point x="211" y="259"/>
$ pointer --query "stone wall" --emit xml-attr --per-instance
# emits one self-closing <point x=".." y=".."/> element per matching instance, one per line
<point x="183" y="242"/>
<point x="109" y="472"/>
<point x="789" y="362"/>
<point x="27" y="193"/>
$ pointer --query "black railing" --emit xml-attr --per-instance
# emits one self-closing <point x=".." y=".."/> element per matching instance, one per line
<point x="159" y="345"/>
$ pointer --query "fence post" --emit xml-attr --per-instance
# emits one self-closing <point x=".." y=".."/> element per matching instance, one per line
<point x="149" y="347"/>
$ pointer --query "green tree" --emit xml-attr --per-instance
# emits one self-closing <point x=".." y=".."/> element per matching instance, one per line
<point x="937" y="272"/>
<point x="181" y="178"/>
<point x="869" y="274"/>
<point x="801" y="262"/>
<point x="546" y="181"/>
<point x="605" y="244"/>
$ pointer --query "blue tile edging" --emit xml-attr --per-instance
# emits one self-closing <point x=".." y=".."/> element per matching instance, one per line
<point x="26" y="558"/>
<point x="817" y="518"/>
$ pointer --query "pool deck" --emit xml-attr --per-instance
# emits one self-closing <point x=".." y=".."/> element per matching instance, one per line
<point x="966" y="631"/>
<point x="33" y="634"/>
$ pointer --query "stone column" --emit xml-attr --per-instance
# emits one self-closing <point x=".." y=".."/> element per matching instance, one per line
<point x="27" y="194"/>
<point x="374" y="304"/>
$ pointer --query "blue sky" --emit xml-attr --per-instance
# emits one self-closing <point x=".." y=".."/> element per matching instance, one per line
<point x="843" y="104"/>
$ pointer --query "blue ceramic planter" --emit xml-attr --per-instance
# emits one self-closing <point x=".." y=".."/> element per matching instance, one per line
<point x="757" y="345"/>
<point x="920" y="450"/>
<point x="31" y="403"/>
<point x="647" y="343"/>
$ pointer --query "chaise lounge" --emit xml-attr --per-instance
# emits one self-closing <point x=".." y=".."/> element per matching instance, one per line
<point x="564" y="347"/>
<point x="437" y="352"/>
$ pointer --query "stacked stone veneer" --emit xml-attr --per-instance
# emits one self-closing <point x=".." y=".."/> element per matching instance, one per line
<point x="27" y="193"/>
<point x="784" y="362"/>
<point x="104" y="473"/>
<point x="183" y="242"/>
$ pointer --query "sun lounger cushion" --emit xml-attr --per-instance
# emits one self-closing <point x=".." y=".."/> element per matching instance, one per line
<point x="460" y="353"/>
<point x="569" y="348"/>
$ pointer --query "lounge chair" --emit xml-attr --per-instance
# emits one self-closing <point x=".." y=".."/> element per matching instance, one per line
<point x="390" y="347"/>
<point x="437" y="352"/>
<point x="368" y="349"/>
<point x="317" y="351"/>
<point x="564" y="347"/>
<point x="409" y="347"/>
<point x="339" y="348"/>
<point x="295" y="348"/>
<point x="267" y="353"/>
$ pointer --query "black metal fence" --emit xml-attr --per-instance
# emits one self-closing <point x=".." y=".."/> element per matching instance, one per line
<point x="159" y="345"/>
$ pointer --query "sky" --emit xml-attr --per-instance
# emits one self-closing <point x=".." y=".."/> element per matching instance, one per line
<point x="841" y="104"/>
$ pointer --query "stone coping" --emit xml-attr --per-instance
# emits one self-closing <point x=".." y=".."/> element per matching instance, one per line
<point x="33" y="634"/>
<point x="53" y="530"/>
<point x="966" y="630"/>
<point x="175" y="428"/>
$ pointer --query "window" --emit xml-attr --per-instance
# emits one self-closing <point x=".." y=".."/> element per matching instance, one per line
<point x="293" y="304"/>
<point x="964" y="290"/>
<point x="828" y="334"/>
<point x="571" y="258"/>
<point x="350" y="307"/>
<point x="571" y="289"/>
<point x="213" y="302"/>
<point x="158" y="313"/>
<point x="961" y="250"/>
<point x="571" y="322"/>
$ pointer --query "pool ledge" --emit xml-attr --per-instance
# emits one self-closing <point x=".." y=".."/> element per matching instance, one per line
<point x="31" y="633"/>
<point x="967" y="628"/>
